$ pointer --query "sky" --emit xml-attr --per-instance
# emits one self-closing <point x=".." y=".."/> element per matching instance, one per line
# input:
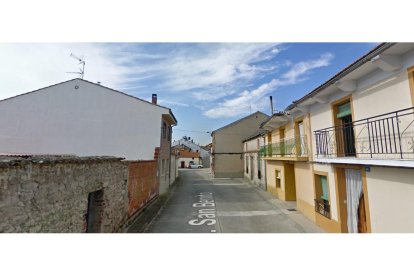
<point x="206" y="85"/>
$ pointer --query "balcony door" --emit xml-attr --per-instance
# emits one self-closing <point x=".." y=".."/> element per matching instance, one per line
<point x="344" y="130"/>
<point x="282" y="141"/>
<point x="301" y="139"/>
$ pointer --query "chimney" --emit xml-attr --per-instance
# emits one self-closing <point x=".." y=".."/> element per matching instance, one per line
<point x="271" y="105"/>
<point x="154" y="98"/>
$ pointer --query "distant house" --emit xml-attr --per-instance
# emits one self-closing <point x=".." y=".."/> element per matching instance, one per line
<point x="186" y="156"/>
<point x="78" y="117"/>
<point x="227" y="145"/>
<point x="190" y="145"/>
<point x="254" y="164"/>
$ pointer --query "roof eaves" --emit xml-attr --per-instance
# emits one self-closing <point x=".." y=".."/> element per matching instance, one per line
<point x="353" y="66"/>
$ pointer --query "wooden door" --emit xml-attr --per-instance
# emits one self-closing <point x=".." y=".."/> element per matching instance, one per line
<point x="362" y="219"/>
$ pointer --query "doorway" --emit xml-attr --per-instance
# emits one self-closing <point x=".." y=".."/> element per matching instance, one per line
<point x="251" y="168"/>
<point x="290" y="185"/>
<point x="344" y="130"/>
<point x="182" y="164"/>
<point x="352" y="206"/>
<point x="95" y="212"/>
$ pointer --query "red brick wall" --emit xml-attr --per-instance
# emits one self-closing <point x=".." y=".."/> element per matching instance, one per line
<point x="142" y="184"/>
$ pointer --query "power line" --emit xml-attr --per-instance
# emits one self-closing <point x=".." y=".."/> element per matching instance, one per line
<point x="206" y="132"/>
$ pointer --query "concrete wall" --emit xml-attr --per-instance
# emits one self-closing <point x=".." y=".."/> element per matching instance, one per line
<point x="90" y="120"/>
<point x="50" y="194"/>
<point x="229" y="165"/>
<point x="174" y="169"/>
<point x="391" y="199"/>
<point x="227" y="147"/>
<point x="142" y="184"/>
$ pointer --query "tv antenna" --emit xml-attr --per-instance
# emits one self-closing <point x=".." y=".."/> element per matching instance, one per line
<point x="81" y="62"/>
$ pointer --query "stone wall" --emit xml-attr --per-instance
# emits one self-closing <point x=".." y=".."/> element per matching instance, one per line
<point x="50" y="193"/>
<point x="142" y="184"/>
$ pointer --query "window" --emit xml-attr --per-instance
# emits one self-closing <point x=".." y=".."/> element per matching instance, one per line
<point x="322" y="204"/>
<point x="169" y="133"/>
<point x="278" y="178"/>
<point x="164" y="130"/>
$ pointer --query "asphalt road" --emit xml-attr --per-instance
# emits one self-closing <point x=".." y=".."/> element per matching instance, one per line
<point x="201" y="204"/>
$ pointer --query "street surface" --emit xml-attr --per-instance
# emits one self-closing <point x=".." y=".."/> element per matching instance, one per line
<point x="201" y="204"/>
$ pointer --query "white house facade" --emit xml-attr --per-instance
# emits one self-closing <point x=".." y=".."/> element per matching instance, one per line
<point x="82" y="118"/>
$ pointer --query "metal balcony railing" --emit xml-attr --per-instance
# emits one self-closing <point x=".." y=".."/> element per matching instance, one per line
<point x="386" y="136"/>
<point x="323" y="207"/>
<point x="295" y="146"/>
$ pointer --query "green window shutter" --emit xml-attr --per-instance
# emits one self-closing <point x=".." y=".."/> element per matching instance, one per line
<point x="324" y="183"/>
<point x="344" y="110"/>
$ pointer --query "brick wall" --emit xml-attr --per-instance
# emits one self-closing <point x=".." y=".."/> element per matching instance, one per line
<point x="142" y="184"/>
<point x="50" y="194"/>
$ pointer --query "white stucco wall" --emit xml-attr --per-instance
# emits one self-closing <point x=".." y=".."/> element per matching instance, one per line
<point x="391" y="199"/>
<point x="90" y="120"/>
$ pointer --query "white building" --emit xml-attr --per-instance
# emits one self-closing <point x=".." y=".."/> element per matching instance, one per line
<point x="254" y="164"/>
<point x="204" y="154"/>
<point x="82" y="118"/>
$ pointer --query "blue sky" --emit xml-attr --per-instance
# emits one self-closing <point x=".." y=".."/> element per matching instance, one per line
<point x="207" y="85"/>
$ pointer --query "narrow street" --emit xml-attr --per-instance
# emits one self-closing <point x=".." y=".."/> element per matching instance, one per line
<point x="201" y="204"/>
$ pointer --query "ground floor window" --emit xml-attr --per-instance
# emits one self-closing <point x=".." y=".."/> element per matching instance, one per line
<point x="322" y="204"/>
<point x="278" y="178"/>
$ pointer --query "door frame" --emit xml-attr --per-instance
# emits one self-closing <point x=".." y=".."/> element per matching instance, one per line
<point x="340" y="186"/>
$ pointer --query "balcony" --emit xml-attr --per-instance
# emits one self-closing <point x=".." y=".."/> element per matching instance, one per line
<point x="386" y="136"/>
<point x="323" y="207"/>
<point x="294" y="148"/>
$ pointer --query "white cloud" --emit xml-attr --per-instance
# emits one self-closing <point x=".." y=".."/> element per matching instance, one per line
<point x="166" y="102"/>
<point x="206" y="66"/>
<point x="250" y="101"/>
<point x="29" y="66"/>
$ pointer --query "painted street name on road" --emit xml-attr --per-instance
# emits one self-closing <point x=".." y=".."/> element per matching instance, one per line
<point x="206" y="215"/>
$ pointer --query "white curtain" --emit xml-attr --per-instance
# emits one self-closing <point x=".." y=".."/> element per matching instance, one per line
<point x="353" y="194"/>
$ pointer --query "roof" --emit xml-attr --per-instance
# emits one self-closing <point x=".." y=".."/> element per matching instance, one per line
<point x="238" y="121"/>
<point x="258" y="133"/>
<point x="356" y="64"/>
<point x="100" y="85"/>
<point x="189" y="154"/>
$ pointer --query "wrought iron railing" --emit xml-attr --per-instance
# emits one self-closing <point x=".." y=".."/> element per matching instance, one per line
<point x="295" y="146"/>
<point x="386" y="136"/>
<point x="323" y="207"/>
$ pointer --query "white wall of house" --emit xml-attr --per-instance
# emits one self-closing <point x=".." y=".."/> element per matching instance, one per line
<point x="90" y="120"/>
<point x="254" y="162"/>
<point x="390" y="196"/>
<point x="187" y="160"/>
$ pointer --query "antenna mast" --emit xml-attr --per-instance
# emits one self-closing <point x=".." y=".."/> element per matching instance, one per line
<point x="81" y="62"/>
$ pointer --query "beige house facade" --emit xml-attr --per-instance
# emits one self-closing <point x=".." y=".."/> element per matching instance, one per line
<point x="359" y="176"/>
<point x="227" y="145"/>
<point x="287" y="156"/>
